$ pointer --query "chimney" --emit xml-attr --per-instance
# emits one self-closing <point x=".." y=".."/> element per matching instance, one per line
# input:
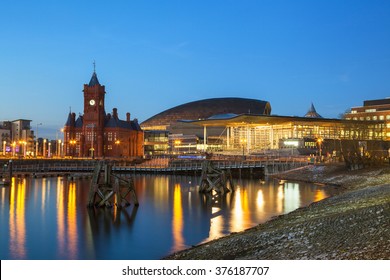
<point x="73" y="119"/>
<point x="128" y="117"/>
<point x="115" y="113"/>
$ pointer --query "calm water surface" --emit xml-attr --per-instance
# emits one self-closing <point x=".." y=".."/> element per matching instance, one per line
<point x="48" y="219"/>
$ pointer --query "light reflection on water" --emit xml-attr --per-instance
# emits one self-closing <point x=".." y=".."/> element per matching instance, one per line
<point x="48" y="219"/>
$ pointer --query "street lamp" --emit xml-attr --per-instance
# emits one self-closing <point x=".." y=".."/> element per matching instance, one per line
<point x="58" y="142"/>
<point x="49" y="150"/>
<point x="72" y="143"/>
<point x="44" y="148"/>
<point x="24" y="143"/>
<point x="13" y="148"/>
<point x="37" y="143"/>
<point x="58" y="148"/>
<point x="319" y="141"/>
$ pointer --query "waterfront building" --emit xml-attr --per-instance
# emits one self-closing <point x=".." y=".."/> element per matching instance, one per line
<point x="259" y="133"/>
<point x="188" y="136"/>
<point x="372" y="110"/>
<point x="17" y="138"/>
<point x="238" y="129"/>
<point x="97" y="134"/>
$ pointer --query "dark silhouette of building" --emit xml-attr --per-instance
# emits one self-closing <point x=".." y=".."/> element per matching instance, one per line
<point x="97" y="134"/>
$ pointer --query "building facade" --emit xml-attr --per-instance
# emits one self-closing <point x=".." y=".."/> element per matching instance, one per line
<point x="17" y="138"/>
<point x="97" y="134"/>
<point x="373" y="110"/>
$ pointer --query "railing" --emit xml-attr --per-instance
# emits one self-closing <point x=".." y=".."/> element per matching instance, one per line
<point x="155" y="166"/>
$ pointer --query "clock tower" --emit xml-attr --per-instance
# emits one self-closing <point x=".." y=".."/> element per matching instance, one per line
<point x="94" y="117"/>
<point x="96" y="134"/>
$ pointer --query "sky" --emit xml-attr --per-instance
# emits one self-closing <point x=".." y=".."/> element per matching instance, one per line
<point x="154" y="55"/>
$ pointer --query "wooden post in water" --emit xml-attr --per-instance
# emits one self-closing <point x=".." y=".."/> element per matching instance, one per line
<point x="112" y="187"/>
<point x="213" y="178"/>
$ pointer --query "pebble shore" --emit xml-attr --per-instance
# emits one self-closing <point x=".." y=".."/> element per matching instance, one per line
<point x="354" y="224"/>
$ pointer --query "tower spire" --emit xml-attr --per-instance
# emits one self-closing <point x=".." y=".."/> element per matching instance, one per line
<point x="94" y="80"/>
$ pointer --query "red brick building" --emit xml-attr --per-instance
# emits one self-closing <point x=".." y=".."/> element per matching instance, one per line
<point x="97" y="134"/>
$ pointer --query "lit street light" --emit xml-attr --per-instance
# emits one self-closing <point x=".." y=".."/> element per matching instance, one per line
<point x="37" y="142"/>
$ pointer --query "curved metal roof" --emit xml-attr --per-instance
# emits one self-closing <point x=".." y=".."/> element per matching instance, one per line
<point x="206" y="108"/>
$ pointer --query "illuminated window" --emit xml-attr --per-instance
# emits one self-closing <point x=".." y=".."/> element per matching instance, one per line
<point x="353" y="111"/>
<point x="374" y="118"/>
<point x="368" y="118"/>
<point x="381" y="118"/>
<point x="110" y="137"/>
<point x="361" y="118"/>
<point x="370" y="110"/>
<point x="388" y="117"/>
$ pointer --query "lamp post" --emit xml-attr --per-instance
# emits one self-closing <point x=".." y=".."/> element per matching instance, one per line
<point x="13" y="148"/>
<point x="58" y="142"/>
<point x="58" y="148"/>
<point x="72" y="143"/>
<point x="49" y="150"/>
<point x="4" y="143"/>
<point x="44" y="148"/>
<point x="37" y="143"/>
<point x="319" y="141"/>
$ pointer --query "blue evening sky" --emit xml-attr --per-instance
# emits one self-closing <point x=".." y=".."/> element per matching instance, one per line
<point x="153" y="55"/>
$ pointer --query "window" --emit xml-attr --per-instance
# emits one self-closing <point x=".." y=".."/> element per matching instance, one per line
<point x="370" y="110"/>
<point x="381" y="118"/>
<point x="374" y="118"/>
<point x="368" y="118"/>
<point x="353" y="111"/>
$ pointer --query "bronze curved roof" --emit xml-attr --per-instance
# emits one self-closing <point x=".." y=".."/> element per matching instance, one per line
<point x="203" y="109"/>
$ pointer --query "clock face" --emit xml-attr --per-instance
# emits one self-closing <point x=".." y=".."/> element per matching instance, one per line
<point x="91" y="102"/>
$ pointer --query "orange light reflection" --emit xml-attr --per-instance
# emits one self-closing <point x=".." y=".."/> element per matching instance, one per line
<point x="17" y="223"/>
<point x="177" y="220"/>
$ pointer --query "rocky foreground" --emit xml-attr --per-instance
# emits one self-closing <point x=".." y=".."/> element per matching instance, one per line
<point x="352" y="225"/>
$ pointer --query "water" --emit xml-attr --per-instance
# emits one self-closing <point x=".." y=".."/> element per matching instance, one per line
<point x="47" y="218"/>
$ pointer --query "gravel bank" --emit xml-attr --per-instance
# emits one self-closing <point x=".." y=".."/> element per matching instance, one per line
<point x="352" y="225"/>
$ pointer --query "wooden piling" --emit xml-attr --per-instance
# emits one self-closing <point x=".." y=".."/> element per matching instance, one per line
<point x="215" y="179"/>
<point x="113" y="187"/>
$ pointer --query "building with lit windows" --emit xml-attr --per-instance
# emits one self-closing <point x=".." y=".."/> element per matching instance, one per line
<point x="373" y="110"/>
<point x="252" y="132"/>
<point x="17" y="138"/>
<point x="97" y="134"/>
